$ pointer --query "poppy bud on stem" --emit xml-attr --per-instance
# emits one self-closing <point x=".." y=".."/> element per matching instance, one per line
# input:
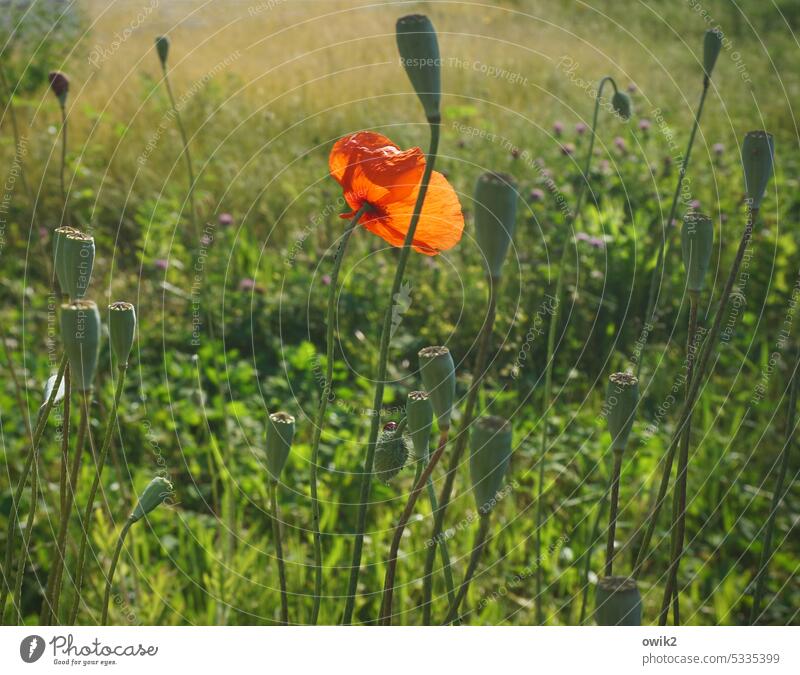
<point x="59" y="85"/>
<point x="757" y="157"/>
<point x="157" y="491"/>
<point x="419" y="54"/>
<point x="490" y="455"/>
<point x="391" y="452"/>
<point x="427" y="49"/>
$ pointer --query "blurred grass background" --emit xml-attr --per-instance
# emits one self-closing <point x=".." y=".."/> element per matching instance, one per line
<point x="264" y="89"/>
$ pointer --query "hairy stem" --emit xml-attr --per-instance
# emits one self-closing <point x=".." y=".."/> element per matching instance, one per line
<point x="366" y="474"/>
<point x="323" y="407"/>
<point x="391" y="566"/>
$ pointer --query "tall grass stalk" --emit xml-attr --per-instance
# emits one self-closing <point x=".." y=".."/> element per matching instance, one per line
<point x="185" y="142"/>
<point x="323" y="407"/>
<point x="777" y="497"/>
<point x="678" y="527"/>
<point x="366" y="475"/>
<point x="708" y="347"/>
<point x="14" y="513"/>
<point x="551" y="341"/>
<point x="391" y="566"/>
<point x="474" y="559"/>
<point x="276" y="532"/>
<point x="50" y="605"/>
<point x="88" y="513"/>
<point x="478" y="374"/>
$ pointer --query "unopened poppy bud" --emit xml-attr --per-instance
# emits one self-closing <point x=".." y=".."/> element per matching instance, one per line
<point x="280" y="432"/>
<point x="59" y="84"/>
<point x="162" y="47"/>
<point x="80" y="334"/>
<point x="419" y="54"/>
<point x="439" y="377"/>
<point x="122" y="329"/>
<point x="617" y="602"/>
<point x="712" y="43"/>
<point x="419" y="413"/>
<point x="156" y="492"/>
<point x="490" y="455"/>
<point x="59" y="235"/>
<point x="621" y="103"/>
<point x="697" y="243"/>
<point x="622" y="400"/>
<point x="495" y="218"/>
<point x="74" y="260"/>
<point x="391" y="453"/>
<point x="758" y="155"/>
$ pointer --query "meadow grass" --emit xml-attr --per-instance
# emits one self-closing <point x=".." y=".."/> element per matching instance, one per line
<point x="263" y="95"/>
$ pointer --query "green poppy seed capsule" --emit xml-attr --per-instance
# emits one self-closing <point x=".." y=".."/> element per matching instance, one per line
<point x="74" y="263"/>
<point x="697" y="243"/>
<point x="419" y="413"/>
<point x="439" y="377"/>
<point x="122" y="329"/>
<point x="156" y="492"/>
<point x="391" y="453"/>
<point x="617" y="602"/>
<point x="80" y="334"/>
<point x="162" y="47"/>
<point x="59" y="85"/>
<point x="621" y="103"/>
<point x="622" y="399"/>
<point x="758" y="157"/>
<point x="419" y="54"/>
<point x="495" y="217"/>
<point x="490" y="455"/>
<point x="280" y="432"/>
<point x="712" y="44"/>
<point x="59" y="235"/>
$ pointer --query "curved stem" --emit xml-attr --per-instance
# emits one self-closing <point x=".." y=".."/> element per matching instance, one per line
<point x="366" y="475"/>
<point x="709" y="346"/>
<point x="652" y="297"/>
<point x="777" y="497"/>
<point x="276" y="534"/>
<point x="551" y="338"/>
<point x="612" y="515"/>
<point x="447" y="568"/>
<point x="323" y="407"/>
<point x="479" y="372"/>
<point x="391" y="566"/>
<point x="477" y="550"/>
<point x="52" y="595"/>
<point x="185" y="141"/>
<point x="678" y="527"/>
<point x="110" y="578"/>
<point x="87" y="516"/>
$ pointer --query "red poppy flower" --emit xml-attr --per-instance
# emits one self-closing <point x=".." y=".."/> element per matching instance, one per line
<point x="373" y="170"/>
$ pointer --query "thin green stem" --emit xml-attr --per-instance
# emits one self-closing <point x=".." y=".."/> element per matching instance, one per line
<point x="87" y="516"/>
<point x="26" y="540"/>
<point x="777" y="497"/>
<point x="52" y="595"/>
<point x="63" y="167"/>
<point x="110" y="578"/>
<point x="709" y="346"/>
<point x="323" y="407"/>
<point x="652" y="296"/>
<point x="391" y="566"/>
<point x="613" y="512"/>
<point x="366" y="474"/>
<point x="62" y="479"/>
<point x="185" y="141"/>
<point x="276" y="534"/>
<point x="478" y="374"/>
<point x="41" y="423"/>
<point x="551" y="340"/>
<point x="475" y="557"/>
<point x="587" y="556"/>
<point x="678" y="527"/>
